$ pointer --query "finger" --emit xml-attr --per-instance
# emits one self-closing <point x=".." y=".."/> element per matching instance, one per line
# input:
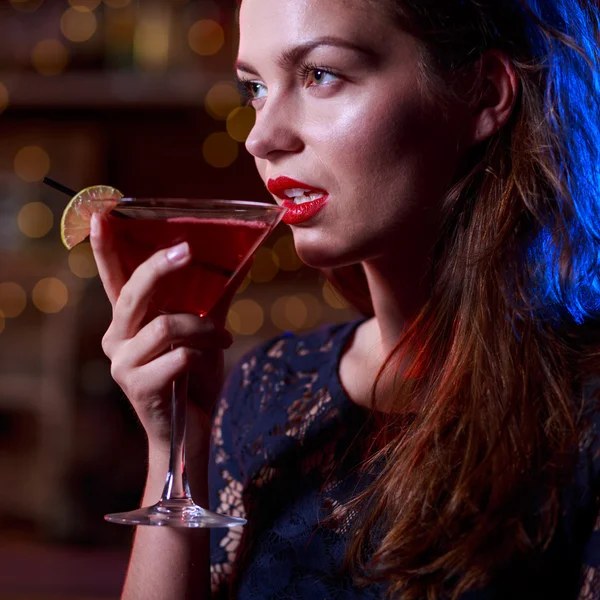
<point x="157" y="376"/>
<point x="221" y="308"/>
<point x="134" y="299"/>
<point x="109" y="264"/>
<point x="165" y="331"/>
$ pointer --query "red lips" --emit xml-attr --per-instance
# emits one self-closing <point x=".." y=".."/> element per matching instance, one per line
<point x="297" y="213"/>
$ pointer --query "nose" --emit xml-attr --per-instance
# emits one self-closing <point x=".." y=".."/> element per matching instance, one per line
<point x="275" y="132"/>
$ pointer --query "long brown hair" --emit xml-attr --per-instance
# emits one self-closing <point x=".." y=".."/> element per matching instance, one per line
<point x="496" y="358"/>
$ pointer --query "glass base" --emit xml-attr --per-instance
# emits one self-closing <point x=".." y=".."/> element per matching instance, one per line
<point x="175" y="513"/>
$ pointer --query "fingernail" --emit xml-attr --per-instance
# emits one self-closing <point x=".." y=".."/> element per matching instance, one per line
<point x="179" y="253"/>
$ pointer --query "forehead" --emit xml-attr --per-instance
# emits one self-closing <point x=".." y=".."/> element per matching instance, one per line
<point x="264" y="23"/>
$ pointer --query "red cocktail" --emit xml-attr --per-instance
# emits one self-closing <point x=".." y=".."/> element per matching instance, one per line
<point x="222" y="235"/>
<point x="219" y="247"/>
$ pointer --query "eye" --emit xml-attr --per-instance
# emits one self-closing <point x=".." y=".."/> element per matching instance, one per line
<point x="251" y="90"/>
<point x="258" y="90"/>
<point x="320" y="77"/>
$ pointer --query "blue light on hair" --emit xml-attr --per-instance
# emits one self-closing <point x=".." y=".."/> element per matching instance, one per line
<point x="573" y="110"/>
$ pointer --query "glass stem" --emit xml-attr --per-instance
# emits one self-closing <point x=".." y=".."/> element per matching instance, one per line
<point x="176" y="485"/>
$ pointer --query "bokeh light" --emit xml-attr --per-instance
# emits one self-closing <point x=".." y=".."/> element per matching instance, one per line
<point x="81" y="261"/>
<point x="285" y="250"/>
<point x="265" y="266"/>
<point x="333" y="297"/>
<point x="151" y="42"/>
<point x="26" y="5"/>
<point x="240" y="123"/>
<point x="244" y="285"/>
<point x="13" y="299"/>
<point x="4" y="97"/>
<point x="2" y="323"/>
<point x="245" y="317"/>
<point x="85" y="5"/>
<point x="314" y="310"/>
<point x="78" y="24"/>
<point x="219" y="150"/>
<point x="117" y="3"/>
<point x="289" y="312"/>
<point x="49" y="57"/>
<point x="206" y="37"/>
<point x="50" y="295"/>
<point x="221" y="99"/>
<point x="32" y="163"/>
<point x="35" y="219"/>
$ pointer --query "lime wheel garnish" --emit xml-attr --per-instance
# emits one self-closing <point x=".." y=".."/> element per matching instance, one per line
<point x="75" y="221"/>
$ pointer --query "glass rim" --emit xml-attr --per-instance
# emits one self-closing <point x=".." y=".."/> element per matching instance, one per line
<point x="208" y="202"/>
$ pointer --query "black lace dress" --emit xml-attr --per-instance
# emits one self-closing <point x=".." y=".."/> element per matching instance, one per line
<point x="286" y="449"/>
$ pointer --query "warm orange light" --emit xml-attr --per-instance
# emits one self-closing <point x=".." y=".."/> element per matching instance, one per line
<point x="117" y="3"/>
<point x="50" y="295"/>
<point x="240" y="123"/>
<point x="85" y="5"/>
<point x="314" y="310"/>
<point x="245" y="317"/>
<point x="49" y="57"/>
<point x="333" y="297"/>
<point x="32" y="163"/>
<point x="2" y="322"/>
<point x="221" y="99"/>
<point x="265" y="266"/>
<point x="82" y="262"/>
<point x="289" y="312"/>
<point x="219" y="150"/>
<point x="4" y="97"/>
<point x="296" y="312"/>
<point x="152" y="40"/>
<point x="35" y="219"/>
<point x="243" y="285"/>
<point x="78" y="24"/>
<point x="26" y="5"/>
<point x="285" y="250"/>
<point x="206" y="37"/>
<point x="13" y="299"/>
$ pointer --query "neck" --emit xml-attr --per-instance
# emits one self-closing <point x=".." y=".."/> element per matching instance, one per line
<point x="398" y="292"/>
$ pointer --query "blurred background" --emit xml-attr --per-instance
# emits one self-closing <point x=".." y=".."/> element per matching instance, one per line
<point x="137" y="94"/>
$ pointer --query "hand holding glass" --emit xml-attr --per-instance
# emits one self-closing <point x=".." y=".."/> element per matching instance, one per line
<point x="222" y="236"/>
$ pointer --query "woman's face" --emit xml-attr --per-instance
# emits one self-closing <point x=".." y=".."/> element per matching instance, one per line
<point x="341" y="108"/>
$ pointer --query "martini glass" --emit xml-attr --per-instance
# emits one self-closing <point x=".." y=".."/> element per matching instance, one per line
<point x="222" y="236"/>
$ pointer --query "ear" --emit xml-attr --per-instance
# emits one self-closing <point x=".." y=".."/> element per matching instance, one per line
<point x="497" y="92"/>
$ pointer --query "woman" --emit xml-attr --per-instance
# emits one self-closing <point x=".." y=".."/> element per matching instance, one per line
<point x="443" y="163"/>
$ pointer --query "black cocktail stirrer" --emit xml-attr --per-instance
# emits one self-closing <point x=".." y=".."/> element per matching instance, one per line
<point x="59" y="186"/>
<point x="69" y="192"/>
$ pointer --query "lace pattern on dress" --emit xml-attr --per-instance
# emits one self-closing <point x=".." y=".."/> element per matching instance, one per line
<point x="590" y="576"/>
<point x="590" y="582"/>
<point x="301" y="438"/>
<point x="230" y="502"/>
<point x="590" y="588"/>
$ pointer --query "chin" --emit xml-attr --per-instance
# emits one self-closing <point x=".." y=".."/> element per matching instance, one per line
<point x="319" y="255"/>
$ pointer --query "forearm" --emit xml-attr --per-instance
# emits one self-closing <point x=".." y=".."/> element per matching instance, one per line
<point x="168" y="563"/>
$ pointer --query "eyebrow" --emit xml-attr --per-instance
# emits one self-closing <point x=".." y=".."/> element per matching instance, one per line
<point x="292" y="56"/>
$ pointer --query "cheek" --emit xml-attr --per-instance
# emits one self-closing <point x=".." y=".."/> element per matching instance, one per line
<point x="402" y="148"/>
<point x="370" y="135"/>
<point x="261" y="167"/>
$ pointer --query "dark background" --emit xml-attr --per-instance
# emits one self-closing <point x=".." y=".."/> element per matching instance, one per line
<point x="137" y="95"/>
